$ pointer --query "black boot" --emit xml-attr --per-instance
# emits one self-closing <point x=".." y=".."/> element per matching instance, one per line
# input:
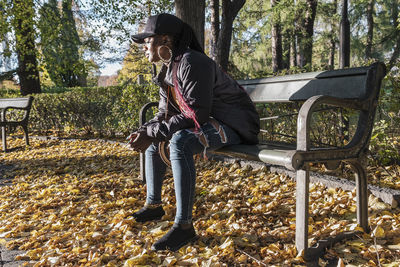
<point x="176" y="238"/>
<point x="148" y="214"/>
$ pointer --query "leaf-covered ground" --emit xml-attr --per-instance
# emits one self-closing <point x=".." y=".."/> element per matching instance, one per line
<point x="70" y="204"/>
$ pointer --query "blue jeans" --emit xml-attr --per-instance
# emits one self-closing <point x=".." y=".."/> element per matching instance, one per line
<point x="183" y="145"/>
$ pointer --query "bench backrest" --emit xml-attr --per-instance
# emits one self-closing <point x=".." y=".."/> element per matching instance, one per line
<point x="21" y="102"/>
<point x="360" y="86"/>
<point x="353" y="83"/>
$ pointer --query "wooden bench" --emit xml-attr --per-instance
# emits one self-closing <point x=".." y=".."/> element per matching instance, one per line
<point x="355" y="89"/>
<point x="6" y="107"/>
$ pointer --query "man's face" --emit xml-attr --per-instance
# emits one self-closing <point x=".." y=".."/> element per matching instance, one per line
<point x="150" y="49"/>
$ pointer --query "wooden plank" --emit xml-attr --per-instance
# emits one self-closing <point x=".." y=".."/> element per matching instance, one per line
<point x="346" y="83"/>
<point x="347" y="87"/>
<point x="309" y="76"/>
<point x="22" y="102"/>
<point x="272" y="153"/>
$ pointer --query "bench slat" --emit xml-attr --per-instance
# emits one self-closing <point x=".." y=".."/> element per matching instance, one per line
<point x="267" y="153"/>
<point x="310" y="75"/>
<point x="347" y="84"/>
<point x="22" y="102"/>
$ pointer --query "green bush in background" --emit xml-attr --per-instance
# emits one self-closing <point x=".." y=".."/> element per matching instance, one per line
<point x="101" y="110"/>
<point x="9" y="92"/>
<point x="83" y="109"/>
<point x="127" y="107"/>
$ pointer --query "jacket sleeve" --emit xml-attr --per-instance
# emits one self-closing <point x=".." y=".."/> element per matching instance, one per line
<point x="195" y="78"/>
<point x="162" y="109"/>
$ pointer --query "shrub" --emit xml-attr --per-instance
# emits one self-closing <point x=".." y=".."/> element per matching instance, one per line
<point x="104" y="110"/>
<point x="9" y="92"/>
<point x="127" y="107"/>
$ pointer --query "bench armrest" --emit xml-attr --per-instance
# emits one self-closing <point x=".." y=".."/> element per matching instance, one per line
<point x="304" y="153"/>
<point x="4" y="112"/>
<point x="143" y="111"/>
<point x="306" y="110"/>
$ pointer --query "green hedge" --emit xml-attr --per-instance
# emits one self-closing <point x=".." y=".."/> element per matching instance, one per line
<point x="102" y="110"/>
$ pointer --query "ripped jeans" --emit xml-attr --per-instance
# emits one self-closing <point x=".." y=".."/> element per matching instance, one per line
<point x="183" y="145"/>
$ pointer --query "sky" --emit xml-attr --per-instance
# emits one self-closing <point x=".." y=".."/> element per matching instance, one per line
<point x="110" y="69"/>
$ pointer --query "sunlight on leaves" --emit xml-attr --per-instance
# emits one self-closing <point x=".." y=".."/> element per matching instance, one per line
<point x="70" y="203"/>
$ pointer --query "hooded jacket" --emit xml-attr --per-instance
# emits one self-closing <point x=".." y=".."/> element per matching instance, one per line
<point x="202" y="91"/>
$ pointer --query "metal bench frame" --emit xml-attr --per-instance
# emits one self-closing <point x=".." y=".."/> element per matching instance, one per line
<point x="355" y="88"/>
<point x="7" y="104"/>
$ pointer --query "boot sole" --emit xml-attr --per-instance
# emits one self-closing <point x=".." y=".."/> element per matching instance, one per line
<point x="149" y="219"/>
<point x="174" y="249"/>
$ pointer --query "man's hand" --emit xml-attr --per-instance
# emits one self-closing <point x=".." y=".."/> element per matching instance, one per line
<point x="139" y="141"/>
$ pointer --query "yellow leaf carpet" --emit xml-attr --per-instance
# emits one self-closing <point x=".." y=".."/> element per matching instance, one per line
<point x="70" y="204"/>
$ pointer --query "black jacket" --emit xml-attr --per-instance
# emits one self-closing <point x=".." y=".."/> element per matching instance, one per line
<point x="207" y="91"/>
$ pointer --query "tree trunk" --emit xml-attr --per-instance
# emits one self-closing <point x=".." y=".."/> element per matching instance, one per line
<point x="74" y="73"/>
<point x="370" y="26"/>
<point x="333" y="39"/>
<point x="49" y="25"/>
<point x="214" y="28"/>
<point x="306" y="34"/>
<point x="344" y="54"/>
<point x="396" y="51"/>
<point x="25" y="46"/>
<point x="276" y="38"/>
<point x="193" y="13"/>
<point x="293" y="50"/>
<point x="286" y="40"/>
<point x="332" y="51"/>
<point x="230" y="9"/>
<point x="291" y="35"/>
<point x="300" y="61"/>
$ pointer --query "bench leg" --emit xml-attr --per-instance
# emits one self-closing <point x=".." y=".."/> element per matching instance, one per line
<point x="142" y="168"/>
<point x="25" y="127"/>
<point x="362" y="194"/>
<point x="4" y="138"/>
<point x="142" y="120"/>
<point x="302" y="199"/>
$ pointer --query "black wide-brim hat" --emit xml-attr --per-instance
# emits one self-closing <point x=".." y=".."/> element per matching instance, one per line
<point x="162" y="24"/>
